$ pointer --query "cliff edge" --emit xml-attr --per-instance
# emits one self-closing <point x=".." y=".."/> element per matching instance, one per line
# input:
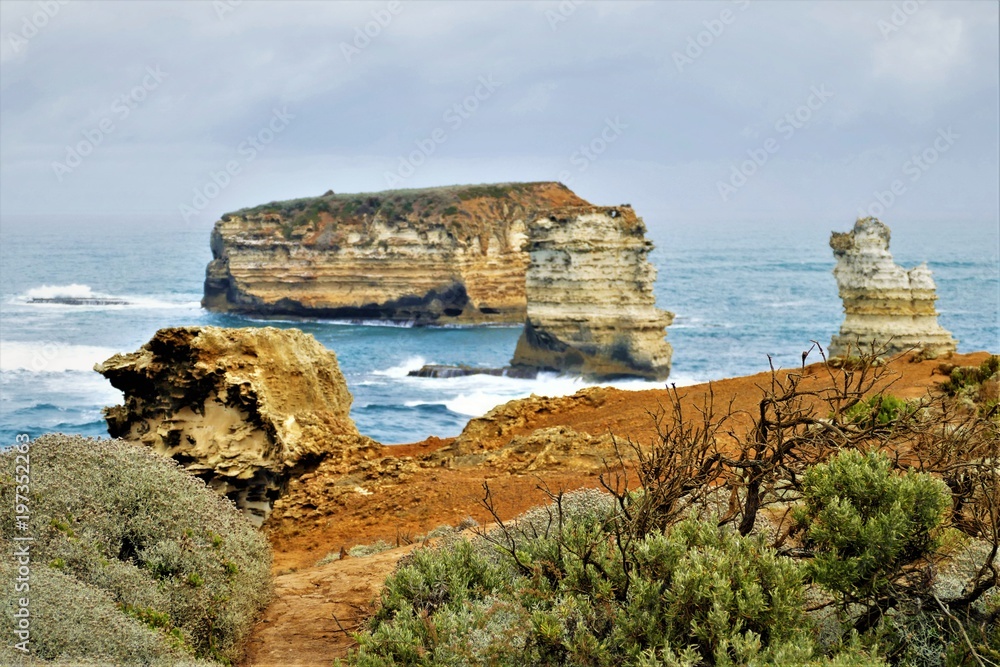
<point x="424" y="256"/>
<point x="884" y="304"/>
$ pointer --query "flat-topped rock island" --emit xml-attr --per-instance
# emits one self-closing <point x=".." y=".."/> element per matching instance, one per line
<point x="446" y="255"/>
<point x="575" y="275"/>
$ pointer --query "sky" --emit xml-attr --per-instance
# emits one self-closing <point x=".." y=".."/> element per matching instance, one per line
<point x="696" y="113"/>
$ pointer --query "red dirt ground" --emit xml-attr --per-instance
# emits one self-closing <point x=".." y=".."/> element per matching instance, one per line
<point x="315" y="608"/>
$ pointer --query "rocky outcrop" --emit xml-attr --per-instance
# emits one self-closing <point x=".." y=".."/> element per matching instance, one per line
<point x="445" y="371"/>
<point x="431" y="256"/>
<point x="884" y="304"/>
<point x="553" y="448"/>
<point x="244" y="409"/>
<point x="520" y="417"/>
<point x="511" y="438"/>
<point x="591" y="308"/>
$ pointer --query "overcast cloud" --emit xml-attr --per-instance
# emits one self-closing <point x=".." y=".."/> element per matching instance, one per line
<point x="830" y="102"/>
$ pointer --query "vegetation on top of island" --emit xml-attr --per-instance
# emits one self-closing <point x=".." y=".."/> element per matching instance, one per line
<point x="844" y="527"/>
<point x="397" y="206"/>
<point x="439" y="194"/>
<point x="132" y="561"/>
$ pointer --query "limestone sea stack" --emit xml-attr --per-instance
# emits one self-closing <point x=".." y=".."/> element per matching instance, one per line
<point x="884" y="304"/>
<point x="244" y="409"/>
<point x="591" y="308"/>
<point x="427" y="256"/>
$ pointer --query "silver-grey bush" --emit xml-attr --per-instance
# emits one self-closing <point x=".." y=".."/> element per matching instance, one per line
<point x="133" y="559"/>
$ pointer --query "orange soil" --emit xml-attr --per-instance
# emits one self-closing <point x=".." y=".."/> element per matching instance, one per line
<point x="303" y="626"/>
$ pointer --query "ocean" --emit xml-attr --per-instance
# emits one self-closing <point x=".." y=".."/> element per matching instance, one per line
<point x="740" y="294"/>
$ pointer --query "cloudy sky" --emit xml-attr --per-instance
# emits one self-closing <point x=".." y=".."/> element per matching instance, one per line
<point x="694" y="112"/>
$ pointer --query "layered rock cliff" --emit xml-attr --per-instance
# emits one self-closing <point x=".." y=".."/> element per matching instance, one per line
<point x="245" y="409"/>
<point x="884" y="304"/>
<point x="591" y="308"/>
<point x="431" y="256"/>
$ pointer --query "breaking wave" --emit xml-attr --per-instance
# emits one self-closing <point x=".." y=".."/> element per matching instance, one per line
<point x="49" y="296"/>
<point x="49" y="357"/>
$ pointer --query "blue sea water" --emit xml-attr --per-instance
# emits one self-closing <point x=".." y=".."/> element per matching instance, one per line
<point x="740" y="294"/>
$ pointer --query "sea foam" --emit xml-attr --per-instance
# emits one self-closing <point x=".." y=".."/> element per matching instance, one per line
<point x="403" y="369"/>
<point x="50" y="357"/>
<point x="80" y="291"/>
<point x="74" y="291"/>
<point x="475" y="395"/>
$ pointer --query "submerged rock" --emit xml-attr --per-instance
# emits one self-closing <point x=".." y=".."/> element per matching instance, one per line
<point x="446" y="371"/>
<point x="884" y="305"/>
<point x="447" y="255"/>
<point x="591" y="308"/>
<point x="244" y="409"/>
<point x="79" y="300"/>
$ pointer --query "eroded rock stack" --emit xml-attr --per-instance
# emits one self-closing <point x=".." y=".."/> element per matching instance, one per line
<point x="884" y="305"/>
<point x="591" y="308"/>
<point x="245" y="409"/>
<point x="430" y="256"/>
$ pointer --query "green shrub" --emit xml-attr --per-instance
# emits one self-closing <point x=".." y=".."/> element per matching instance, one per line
<point x="586" y="507"/>
<point x="147" y="564"/>
<point x="362" y="550"/>
<point x="74" y="623"/>
<point x="726" y="598"/>
<point x="865" y="522"/>
<point x="979" y="385"/>
<point x="432" y="578"/>
<point x="563" y="586"/>
<point x="328" y="558"/>
<point x="448" y="531"/>
<point x="963" y="377"/>
<point x="880" y="409"/>
<point x="498" y="191"/>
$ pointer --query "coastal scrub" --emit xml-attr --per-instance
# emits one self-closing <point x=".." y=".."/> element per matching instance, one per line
<point x="133" y="560"/>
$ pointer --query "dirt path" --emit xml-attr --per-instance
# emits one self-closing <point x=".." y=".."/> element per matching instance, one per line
<point x="315" y="609"/>
<point x="417" y="495"/>
<point x="299" y="628"/>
